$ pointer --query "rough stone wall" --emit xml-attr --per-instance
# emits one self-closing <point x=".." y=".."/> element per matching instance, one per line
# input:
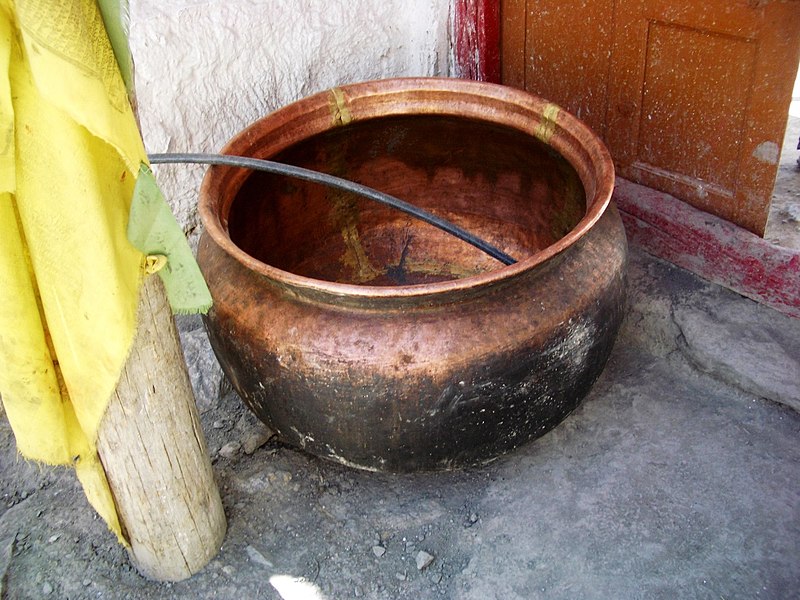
<point x="207" y="68"/>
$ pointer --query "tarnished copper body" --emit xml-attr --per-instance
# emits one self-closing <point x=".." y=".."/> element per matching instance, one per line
<point x="370" y="338"/>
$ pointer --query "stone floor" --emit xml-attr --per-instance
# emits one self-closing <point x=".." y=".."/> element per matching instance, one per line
<point x="678" y="477"/>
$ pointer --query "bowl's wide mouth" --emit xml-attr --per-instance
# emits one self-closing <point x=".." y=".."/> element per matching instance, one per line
<point x="508" y="165"/>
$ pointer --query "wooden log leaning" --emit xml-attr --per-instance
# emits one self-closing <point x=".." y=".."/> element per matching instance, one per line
<point x="154" y="452"/>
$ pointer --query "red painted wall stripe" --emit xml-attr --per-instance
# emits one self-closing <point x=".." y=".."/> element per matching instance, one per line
<point x="476" y="35"/>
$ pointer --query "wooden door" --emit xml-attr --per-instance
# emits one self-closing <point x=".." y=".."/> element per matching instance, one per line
<point x="690" y="97"/>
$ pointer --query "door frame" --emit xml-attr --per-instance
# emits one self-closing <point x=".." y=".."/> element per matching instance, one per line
<point x="476" y="40"/>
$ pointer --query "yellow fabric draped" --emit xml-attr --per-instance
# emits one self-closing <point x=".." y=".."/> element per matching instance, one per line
<point x="70" y="151"/>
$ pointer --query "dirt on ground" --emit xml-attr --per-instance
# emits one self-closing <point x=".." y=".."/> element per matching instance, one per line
<point x="670" y="480"/>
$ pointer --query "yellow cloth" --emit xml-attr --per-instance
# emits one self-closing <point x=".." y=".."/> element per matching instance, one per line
<point x="69" y="154"/>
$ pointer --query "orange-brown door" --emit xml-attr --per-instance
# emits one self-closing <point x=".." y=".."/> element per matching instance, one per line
<point x="560" y="50"/>
<point x="691" y="97"/>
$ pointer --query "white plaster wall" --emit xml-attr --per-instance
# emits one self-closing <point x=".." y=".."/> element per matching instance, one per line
<point x="207" y="68"/>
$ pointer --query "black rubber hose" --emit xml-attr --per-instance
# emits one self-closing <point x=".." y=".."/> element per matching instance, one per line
<point x="269" y="166"/>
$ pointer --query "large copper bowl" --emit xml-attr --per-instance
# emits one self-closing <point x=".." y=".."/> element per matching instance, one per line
<point x="375" y="340"/>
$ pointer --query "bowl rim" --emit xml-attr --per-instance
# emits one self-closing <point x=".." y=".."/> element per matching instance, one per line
<point x="448" y="97"/>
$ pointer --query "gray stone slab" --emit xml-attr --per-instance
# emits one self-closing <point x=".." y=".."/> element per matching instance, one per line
<point x="741" y="342"/>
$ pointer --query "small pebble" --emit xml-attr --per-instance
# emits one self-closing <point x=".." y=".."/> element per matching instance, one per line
<point x="53" y="538"/>
<point x="378" y="551"/>
<point x="257" y="557"/>
<point x="87" y="582"/>
<point x="423" y="560"/>
<point x="401" y="576"/>
<point x="230" y="449"/>
<point x="47" y="589"/>
<point x="256" y="439"/>
<point x="228" y="570"/>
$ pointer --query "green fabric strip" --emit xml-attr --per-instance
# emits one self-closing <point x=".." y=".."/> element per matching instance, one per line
<point x="153" y="230"/>
<point x="115" y="14"/>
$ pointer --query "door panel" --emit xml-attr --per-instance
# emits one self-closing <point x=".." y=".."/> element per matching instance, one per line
<point x="698" y="98"/>
<point x="690" y="97"/>
<point x="683" y="105"/>
<point x="576" y="79"/>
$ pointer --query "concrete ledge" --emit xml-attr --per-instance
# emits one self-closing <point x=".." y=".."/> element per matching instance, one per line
<point x="742" y="345"/>
<point x="673" y="313"/>
<point x="712" y="248"/>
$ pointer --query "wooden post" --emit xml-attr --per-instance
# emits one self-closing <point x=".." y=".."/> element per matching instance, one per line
<point x="154" y="453"/>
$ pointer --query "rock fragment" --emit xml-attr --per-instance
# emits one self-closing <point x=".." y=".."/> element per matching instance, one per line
<point x="256" y="438"/>
<point x="230" y="449"/>
<point x="258" y="558"/>
<point x="424" y="559"/>
<point x="204" y="371"/>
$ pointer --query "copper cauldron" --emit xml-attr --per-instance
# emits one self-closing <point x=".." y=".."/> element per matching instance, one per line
<point x="375" y="340"/>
